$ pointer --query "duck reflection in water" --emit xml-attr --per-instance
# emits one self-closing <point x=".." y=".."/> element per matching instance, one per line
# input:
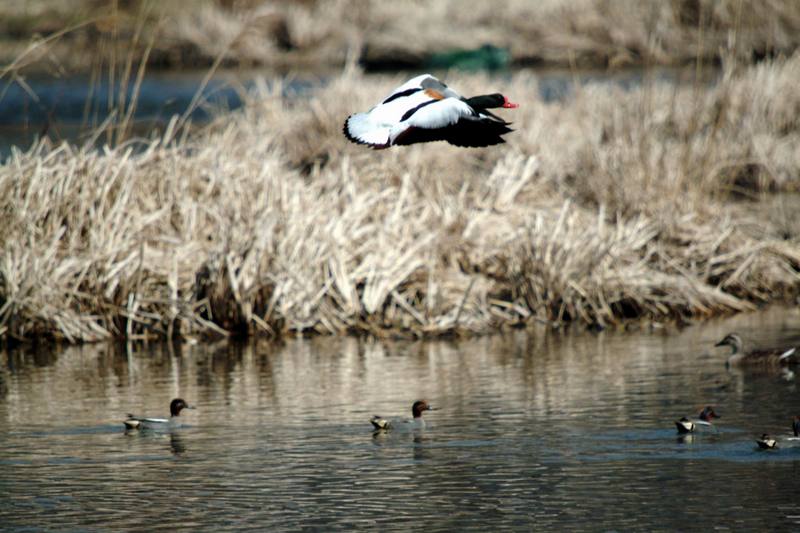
<point x="176" y="443"/>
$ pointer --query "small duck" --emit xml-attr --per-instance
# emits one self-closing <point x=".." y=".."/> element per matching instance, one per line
<point x="382" y="424"/>
<point x="740" y="356"/>
<point x="175" y="408"/>
<point x="424" y="109"/>
<point x="766" y="442"/>
<point x="685" y="425"/>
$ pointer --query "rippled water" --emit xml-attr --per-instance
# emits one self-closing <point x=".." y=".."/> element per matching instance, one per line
<point x="570" y="431"/>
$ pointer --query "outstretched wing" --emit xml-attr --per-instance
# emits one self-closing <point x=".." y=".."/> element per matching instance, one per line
<point x="374" y="128"/>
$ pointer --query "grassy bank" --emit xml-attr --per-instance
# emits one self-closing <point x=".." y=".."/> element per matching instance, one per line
<point x="323" y="34"/>
<point x="605" y="207"/>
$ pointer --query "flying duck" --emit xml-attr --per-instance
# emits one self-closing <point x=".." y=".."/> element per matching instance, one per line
<point x="380" y="423"/>
<point x="754" y="357"/>
<point x="175" y="408"/>
<point x="685" y="425"/>
<point x="424" y="109"/>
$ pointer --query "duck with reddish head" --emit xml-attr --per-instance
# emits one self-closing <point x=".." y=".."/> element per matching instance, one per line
<point x="685" y="425"/>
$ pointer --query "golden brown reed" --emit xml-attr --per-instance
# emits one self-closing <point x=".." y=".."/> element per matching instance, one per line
<point x="323" y="33"/>
<point x="607" y="206"/>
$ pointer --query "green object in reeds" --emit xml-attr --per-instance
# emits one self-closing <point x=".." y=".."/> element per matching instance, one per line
<point x="487" y="57"/>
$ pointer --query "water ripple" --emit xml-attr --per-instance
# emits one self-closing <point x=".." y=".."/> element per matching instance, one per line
<point x="571" y="433"/>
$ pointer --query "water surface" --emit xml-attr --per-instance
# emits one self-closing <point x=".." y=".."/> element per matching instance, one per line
<point x="561" y="430"/>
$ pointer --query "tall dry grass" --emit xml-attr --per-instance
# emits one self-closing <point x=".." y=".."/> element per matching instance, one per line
<point x="324" y="33"/>
<point x="605" y="207"/>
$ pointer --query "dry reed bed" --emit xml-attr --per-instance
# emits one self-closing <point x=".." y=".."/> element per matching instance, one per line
<point x="608" y="206"/>
<point x="317" y="33"/>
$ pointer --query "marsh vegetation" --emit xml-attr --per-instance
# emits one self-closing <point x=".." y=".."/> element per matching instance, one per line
<point x="606" y="207"/>
<point x="320" y="34"/>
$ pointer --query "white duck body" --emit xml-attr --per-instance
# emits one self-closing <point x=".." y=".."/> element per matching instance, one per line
<point x="381" y="424"/>
<point x="375" y="126"/>
<point x="137" y="422"/>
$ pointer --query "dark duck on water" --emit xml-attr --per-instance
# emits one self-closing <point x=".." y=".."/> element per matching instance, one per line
<point x="685" y="425"/>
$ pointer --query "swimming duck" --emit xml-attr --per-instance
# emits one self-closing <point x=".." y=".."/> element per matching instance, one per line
<point x="739" y="356"/>
<point x="424" y="109"/>
<point x="685" y="425"/>
<point x="380" y="423"/>
<point x="175" y="408"/>
<point x="766" y="442"/>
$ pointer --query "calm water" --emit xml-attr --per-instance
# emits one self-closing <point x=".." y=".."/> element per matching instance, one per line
<point x="571" y="431"/>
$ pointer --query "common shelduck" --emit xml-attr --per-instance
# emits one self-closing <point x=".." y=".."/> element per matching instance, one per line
<point x="424" y="109"/>
<point x="740" y="356"/>
<point x="380" y="423"/>
<point x="175" y="408"/>
<point x="685" y="425"/>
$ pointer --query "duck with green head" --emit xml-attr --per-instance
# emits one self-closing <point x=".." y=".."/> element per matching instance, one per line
<point x="175" y="407"/>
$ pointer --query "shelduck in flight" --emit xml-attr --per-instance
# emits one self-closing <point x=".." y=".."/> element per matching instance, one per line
<point x="424" y="109"/>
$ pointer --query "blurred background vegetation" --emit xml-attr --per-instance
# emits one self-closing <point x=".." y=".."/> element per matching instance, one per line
<point x="315" y="34"/>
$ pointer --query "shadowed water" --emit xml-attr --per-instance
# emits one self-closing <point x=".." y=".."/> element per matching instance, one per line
<point x="570" y="431"/>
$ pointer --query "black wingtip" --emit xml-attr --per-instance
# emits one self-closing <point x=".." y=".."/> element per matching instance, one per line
<point x="347" y="134"/>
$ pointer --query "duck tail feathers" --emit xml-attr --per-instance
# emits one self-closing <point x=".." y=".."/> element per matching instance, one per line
<point x="380" y="423"/>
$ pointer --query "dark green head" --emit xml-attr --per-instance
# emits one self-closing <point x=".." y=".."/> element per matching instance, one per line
<point x="177" y="405"/>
